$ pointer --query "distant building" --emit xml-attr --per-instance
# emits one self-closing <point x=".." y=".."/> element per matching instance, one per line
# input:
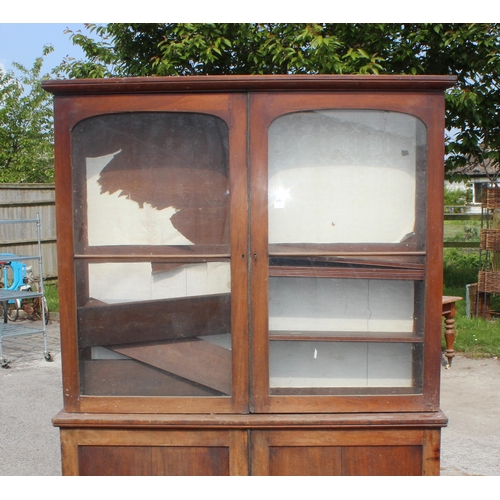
<point x="479" y="178"/>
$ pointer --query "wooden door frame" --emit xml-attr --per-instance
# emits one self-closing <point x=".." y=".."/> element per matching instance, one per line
<point x="232" y="109"/>
<point x="266" y="107"/>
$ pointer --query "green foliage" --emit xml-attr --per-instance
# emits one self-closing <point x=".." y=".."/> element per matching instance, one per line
<point x="470" y="51"/>
<point x="461" y="267"/>
<point x="471" y="232"/>
<point x="26" y="131"/>
<point x="51" y="292"/>
<point x="457" y="197"/>
<point x="145" y="49"/>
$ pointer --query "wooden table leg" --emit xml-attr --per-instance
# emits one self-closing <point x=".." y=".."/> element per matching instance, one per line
<point x="449" y="333"/>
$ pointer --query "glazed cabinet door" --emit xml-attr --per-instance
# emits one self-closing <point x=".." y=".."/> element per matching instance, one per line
<point x="341" y="197"/>
<point x="159" y="252"/>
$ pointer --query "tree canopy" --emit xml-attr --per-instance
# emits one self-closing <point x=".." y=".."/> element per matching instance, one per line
<point x="471" y="52"/>
<point x="26" y="126"/>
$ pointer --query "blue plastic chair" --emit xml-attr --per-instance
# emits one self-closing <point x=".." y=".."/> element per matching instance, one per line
<point x="19" y="272"/>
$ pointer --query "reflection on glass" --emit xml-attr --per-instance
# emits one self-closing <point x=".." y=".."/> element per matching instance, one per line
<point x="151" y="328"/>
<point x="156" y="329"/>
<point x="163" y="176"/>
<point x="343" y="176"/>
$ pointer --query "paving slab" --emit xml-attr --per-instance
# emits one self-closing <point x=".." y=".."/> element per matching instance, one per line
<point x="30" y="395"/>
<point x="470" y="398"/>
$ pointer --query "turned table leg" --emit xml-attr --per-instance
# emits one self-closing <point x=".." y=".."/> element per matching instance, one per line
<point x="449" y="310"/>
<point x="449" y="335"/>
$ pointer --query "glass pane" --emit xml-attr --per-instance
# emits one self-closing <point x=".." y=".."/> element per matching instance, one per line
<point x="152" y="179"/>
<point x="350" y="333"/>
<point x="344" y="176"/>
<point x="155" y="329"/>
<point x="151" y="328"/>
<point x="346" y="323"/>
<point x="341" y="305"/>
<point x="310" y="365"/>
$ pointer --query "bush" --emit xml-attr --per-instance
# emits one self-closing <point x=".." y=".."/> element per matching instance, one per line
<point x="456" y="198"/>
<point x="461" y="267"/>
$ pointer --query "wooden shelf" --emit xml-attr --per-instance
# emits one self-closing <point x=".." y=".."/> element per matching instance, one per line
<point x="403" y="249"/>
<point x="156" y="320"/>
<point x="155" y="253"/>
<point x="347" y="273"/>
<point x="366" y="259"/>
<point x="327" y="336"/>
<point x="343" y="391"/>
<point x="211" y="369"/>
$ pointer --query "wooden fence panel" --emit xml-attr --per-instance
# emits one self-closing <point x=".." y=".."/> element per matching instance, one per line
<point x="24" y="201"/>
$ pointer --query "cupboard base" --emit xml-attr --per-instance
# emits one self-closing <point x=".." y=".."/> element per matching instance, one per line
<point x="357" y="444"/>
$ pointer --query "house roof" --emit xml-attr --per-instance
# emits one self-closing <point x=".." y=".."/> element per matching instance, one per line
<point x="477" y="170"/>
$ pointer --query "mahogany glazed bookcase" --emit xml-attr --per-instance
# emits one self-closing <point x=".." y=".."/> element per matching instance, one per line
<point x="250" y="274"/>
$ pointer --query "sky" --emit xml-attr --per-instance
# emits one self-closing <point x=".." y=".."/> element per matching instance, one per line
<point x="25" y="28"/>
<point x="24" y="31"/>
<point x="23" y="43"/>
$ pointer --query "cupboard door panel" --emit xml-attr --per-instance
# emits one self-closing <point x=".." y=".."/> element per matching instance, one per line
<point x="337" y="452"/>
<point x="114" y="460"/>
<point x="382" y="461"/>
<point x="136" y="452"/>
<point x="191" y="461"/>
<point x="305" y="461"/>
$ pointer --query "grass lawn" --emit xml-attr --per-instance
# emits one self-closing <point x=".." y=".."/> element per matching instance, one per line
<point x="476" y="337"/>
<point x="462" y="230"/>
<point x="52" y="296"/>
